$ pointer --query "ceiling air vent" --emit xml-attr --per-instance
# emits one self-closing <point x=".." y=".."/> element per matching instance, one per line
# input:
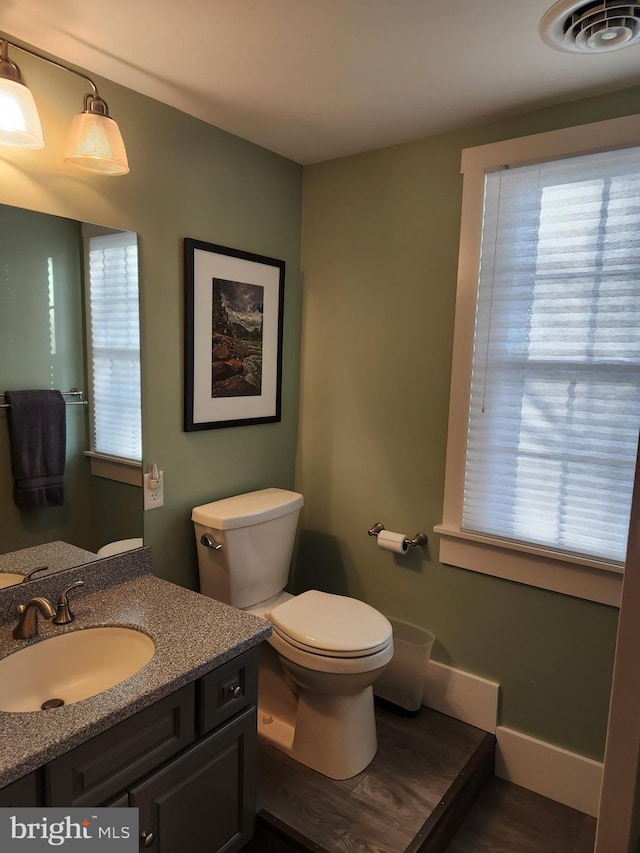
<point x="595" y="27"/>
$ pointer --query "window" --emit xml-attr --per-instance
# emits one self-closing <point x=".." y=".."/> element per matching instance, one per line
<point x="552" y="382"/>
<point x="114" y="352"/>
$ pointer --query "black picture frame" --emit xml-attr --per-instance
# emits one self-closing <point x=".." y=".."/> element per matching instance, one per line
<point x="234" y="306"/>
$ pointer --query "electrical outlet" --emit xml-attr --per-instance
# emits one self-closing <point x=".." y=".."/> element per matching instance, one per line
<point x="153" y="498"/>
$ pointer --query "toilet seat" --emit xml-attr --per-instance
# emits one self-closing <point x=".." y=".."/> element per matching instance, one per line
<point x="334" y="625"/>
<point x="318" y="662"/>
<point x="330" y="653"/>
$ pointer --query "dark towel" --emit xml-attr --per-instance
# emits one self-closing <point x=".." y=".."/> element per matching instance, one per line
<point x="37" y="435"/>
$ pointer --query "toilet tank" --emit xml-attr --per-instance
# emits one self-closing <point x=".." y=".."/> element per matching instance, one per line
<point x="257" y="532"/>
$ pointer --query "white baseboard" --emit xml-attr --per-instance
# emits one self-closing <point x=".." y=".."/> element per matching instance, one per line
<point x="563" y="776"/>
<point x="459" y="694"/>
<point x="556" y="773"/>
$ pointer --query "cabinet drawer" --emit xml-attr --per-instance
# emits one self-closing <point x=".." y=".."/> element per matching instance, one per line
<point x="94" y="772"/>
<point x="227" y="690"/>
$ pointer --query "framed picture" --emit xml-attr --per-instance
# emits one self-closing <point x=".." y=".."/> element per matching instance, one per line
<point x="233" y="337"/>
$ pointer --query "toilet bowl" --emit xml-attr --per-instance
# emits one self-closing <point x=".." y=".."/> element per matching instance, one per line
<point x="120" y="547"/>
<point x="331" y="650"/>
<point x="315" y="697"/>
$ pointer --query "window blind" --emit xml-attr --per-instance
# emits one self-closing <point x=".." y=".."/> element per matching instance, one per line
<point x="115" y="345"/>
<point x="555" y="390"/>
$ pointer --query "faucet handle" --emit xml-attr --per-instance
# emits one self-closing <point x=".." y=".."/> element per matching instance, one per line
<point x="63" y="612"/>
<point x="30" y="574"/>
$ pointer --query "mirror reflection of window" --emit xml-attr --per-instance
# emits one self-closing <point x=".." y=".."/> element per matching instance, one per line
<point x="52" y="307"/>
<point x="113" y="343"/>
<point x="44" y="331"/>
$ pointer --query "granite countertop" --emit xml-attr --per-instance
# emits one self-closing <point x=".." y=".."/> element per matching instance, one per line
<point x="56" y="556"/>
<point x="193" y="635"/>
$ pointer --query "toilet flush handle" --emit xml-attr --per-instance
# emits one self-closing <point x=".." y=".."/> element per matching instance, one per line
<point x="210" y="542"/>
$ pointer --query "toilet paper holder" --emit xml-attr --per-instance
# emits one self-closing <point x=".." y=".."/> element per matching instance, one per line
<point x="418" y="540"/>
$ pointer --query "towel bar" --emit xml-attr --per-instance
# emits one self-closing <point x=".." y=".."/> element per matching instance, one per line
<point x="72" y="393"/>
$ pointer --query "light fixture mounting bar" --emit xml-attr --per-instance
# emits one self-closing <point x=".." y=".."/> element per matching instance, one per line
<point x="3" y="45"/>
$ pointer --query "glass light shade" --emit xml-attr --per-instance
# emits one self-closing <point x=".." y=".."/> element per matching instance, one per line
<point x="19" y="119"/>
<point x="95" y="144"/>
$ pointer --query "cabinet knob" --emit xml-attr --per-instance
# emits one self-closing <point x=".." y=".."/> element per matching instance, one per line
<point x="237" y="691"/>
<point x="147" y="838"/>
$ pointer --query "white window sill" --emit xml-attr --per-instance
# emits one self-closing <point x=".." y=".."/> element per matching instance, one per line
<point x="581" y="578"/>
<point x="115" y="468"/>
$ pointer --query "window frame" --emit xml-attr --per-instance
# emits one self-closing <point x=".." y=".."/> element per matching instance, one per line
<point x="581" y="577"/>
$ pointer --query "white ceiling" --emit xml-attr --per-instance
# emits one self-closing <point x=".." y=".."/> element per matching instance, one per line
<point x="318" y="79"/>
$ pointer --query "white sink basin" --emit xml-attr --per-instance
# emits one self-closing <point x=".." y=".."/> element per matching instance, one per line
<point x="9" y="579"/>
<point x="71" y="667"/>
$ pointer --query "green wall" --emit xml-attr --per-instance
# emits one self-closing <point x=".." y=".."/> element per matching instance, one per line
<point x="187" y="179"/>
<point x="380" y="250"/>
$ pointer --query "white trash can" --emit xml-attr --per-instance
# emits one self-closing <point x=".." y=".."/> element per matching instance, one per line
<point x="402" y="682"/>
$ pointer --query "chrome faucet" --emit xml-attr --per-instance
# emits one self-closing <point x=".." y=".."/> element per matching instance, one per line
<point x="27" y="626"/>
<point x="63" y="613"/>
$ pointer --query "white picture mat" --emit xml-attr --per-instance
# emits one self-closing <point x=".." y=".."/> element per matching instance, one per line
<point x="207" y="266"/>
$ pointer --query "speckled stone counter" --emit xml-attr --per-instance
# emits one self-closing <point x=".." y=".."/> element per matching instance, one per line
<point x="56" y="556"/>
<point x="193" y="635"/>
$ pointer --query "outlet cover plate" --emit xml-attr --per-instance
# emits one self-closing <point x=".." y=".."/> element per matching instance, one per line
<point x="153" y="498"/>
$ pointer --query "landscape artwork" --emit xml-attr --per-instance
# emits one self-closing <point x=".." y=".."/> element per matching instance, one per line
<point x="233" y="312"/>
<point x="236" y="339"/>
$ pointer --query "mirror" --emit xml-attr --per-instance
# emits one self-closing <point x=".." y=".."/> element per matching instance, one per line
<point x="43" y="345"/>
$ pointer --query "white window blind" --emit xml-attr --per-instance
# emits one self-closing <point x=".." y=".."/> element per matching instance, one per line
<point x="115" y="345"/>
<point x="555" y="392"/>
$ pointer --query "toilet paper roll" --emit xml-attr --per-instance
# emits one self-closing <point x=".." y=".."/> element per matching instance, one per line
<point x="396" y="542"/>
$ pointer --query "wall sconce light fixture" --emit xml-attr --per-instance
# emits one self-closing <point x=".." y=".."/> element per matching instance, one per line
<point x="94" y="142"/>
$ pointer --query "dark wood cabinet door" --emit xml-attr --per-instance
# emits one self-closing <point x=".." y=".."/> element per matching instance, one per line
<point x="22" y="793"/>
<point x="205" y="799"/>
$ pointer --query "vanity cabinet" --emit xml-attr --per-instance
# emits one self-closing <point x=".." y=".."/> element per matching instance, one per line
<point x="188" y="763"/>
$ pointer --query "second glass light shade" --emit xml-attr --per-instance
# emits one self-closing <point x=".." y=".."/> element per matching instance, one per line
<point x="95" y="144"/>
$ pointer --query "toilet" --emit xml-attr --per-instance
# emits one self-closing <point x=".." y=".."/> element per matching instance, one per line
<point x="315" y="697"/>
<point x="120" y="547"/>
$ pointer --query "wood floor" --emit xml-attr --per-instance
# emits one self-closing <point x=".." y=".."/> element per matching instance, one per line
<point x="384" y="808"/>
<point x="401" y="797"/>
<point x="509" y="819"/>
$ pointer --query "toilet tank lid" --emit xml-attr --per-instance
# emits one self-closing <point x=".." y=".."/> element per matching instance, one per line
<point x="245" y="510"/>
